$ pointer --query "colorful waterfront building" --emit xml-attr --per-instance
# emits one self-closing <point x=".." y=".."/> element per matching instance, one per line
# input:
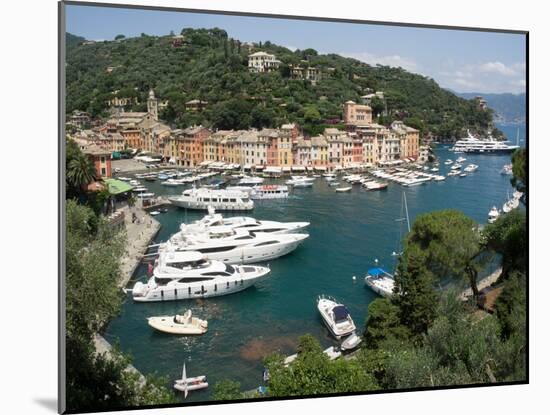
<point x="319" y="152"/>
<point x="190" y="145"/>
<point x="409" y="139"/>
<point x="302" y="152"/>
<point x="101" y="158"/>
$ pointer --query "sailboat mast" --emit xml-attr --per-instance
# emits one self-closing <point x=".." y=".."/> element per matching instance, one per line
<point x="407" y="212"/>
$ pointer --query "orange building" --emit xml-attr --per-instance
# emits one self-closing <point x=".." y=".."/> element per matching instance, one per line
<point x="101" y="159"/>
<point x="190" y="145"/>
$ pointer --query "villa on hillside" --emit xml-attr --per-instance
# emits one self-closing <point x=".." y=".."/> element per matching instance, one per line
<point x="262" y="62"/>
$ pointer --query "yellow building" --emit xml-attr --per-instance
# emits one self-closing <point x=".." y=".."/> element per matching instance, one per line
<point x="355" y="114"/>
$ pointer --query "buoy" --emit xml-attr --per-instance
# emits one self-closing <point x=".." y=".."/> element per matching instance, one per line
<point x="354" y="278"/>
<point x="376" y="260"/>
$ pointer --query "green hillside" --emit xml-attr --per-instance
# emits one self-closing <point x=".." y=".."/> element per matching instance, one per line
<point x="212" y="67"/>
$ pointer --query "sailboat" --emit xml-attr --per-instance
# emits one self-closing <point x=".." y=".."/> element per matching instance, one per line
<point x="377" y="278"/>
<point x="186" y="384"/>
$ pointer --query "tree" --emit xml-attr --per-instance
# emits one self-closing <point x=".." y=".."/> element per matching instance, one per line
<point x="507" y="236"/>
<point x="511" y="306"/>
<point x="311" y="114"/>
<point x="414" y="293"/>
<point x="97" y="381"/>
<point x="450" y="243"/>
<point x="519" y="169"/>
<point x="313" y="373"/>
<point x="227" y="390"/>
<point x="383" y="323"/>
<point x="119" y="37"/>
<point x="80" y="169"/>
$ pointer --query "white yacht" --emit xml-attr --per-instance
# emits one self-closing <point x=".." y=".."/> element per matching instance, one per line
<point x="510" y="204"/>
<point x="269" y="191"/>
<point x="300" y="182"/>
<point x="238" y="222"/>
<point x="193" y="264"/>
<point x="191" y="285"/>
<point x="493" y="215"/>
<point x="219" y="199"/>
<point x="336" y="317"/>
<point x="234" y="246"/>
<point x="250" y="181"/>
<point x="460" y="159"/>
<point x="380" y="281"/>
<point x="489" y="145"/>
<point x="470" y="168"/>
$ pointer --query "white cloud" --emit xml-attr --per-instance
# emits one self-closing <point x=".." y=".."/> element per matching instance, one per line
<point x="498" y="67"/>
<point x="388" y="60"/>
<point x="488" y="77"/>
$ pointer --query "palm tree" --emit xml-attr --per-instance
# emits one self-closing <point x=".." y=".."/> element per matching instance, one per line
<point x="80" y="171"/>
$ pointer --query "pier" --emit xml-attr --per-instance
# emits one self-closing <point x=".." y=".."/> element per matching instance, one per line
<point x="102" y="346"/>
<point x="139" y="236"/>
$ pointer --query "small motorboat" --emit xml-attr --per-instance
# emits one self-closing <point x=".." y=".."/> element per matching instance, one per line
<point x="493" y="215"/>
<point x="333" y="352"/>
<point x="163" y="210"/>
<point x="336" y="317"/>
<point x="351" y="342"/>
<point x="154" y="213"/>
<point x="343" y="189"/>
<point x="462" y="175"/>
<point x="186" y="384"/>
<point x="334" y="184"/>
<point x="179" y="324"/>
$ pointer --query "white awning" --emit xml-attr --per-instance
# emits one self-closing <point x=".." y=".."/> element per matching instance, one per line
<point x="272" y="169"/>
<point x="286" y="169"/>
<point x="298" y="168"/>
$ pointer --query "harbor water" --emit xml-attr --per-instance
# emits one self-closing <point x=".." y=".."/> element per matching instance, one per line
<point x="348" y="232"/>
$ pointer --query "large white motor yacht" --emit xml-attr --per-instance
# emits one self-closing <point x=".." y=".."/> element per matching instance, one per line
<point x="235" y="246"/>
<point x="238" y="222"/>
<point x="336" y="317"/>
<point x="472" y="144"/>
<point x="188" y="284"/>
<point x="219" y="199"/>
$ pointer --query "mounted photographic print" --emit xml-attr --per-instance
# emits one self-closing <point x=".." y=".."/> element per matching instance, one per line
<point x="261" y="207"/>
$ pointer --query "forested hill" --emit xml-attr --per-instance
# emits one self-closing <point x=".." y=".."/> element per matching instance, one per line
<point x="209" y="66"/>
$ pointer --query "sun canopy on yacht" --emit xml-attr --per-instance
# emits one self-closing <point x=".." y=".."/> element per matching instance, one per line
<point x="376" y="272"/>
<point x="340" y="313"/>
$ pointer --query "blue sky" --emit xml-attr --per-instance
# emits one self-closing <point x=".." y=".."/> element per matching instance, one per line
<point x="464" y="61"/>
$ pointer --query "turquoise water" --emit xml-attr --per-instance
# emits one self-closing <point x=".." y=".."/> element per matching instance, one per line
<point x="348" y="231"/>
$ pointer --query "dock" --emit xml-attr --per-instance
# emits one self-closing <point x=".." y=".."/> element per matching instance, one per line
<point x="102" y="346"/>
<point x="139" y="236"/>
